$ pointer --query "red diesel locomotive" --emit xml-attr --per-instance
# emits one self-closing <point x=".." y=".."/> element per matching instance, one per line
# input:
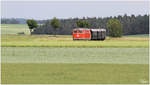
<point x="89" y="34"/>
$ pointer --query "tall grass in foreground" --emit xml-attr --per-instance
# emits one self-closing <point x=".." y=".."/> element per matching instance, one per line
<point x="74" y="73"/>
<point x="74" y="55"/>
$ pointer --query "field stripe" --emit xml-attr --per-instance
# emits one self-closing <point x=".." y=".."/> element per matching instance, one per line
<point x="74" y="73"/>
<point x="75" y="55"/>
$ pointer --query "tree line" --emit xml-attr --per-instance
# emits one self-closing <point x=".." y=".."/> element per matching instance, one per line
<point x="114" y="26"/>
<point x="13" y="21"/>
<point x="130" y="24"/>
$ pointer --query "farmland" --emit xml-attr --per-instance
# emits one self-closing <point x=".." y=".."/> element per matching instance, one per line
<point x="66" y="41"/>
<point x="40" y="73"/>
<point x="45" y="59"/>
<point x="14" y="28"/>
<point x="75" y="55"/>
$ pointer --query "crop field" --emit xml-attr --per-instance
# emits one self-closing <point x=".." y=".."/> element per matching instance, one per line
<point x="45" y="59"/>
<point x="14" y="28"/>
<point x="66" y="41"/>
<point x="74" y="55"/>
<point x="74" y="65"/>
<point x="40" y="73"/>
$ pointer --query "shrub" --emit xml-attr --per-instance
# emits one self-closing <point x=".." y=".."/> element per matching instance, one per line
<point x="115" y="28"/>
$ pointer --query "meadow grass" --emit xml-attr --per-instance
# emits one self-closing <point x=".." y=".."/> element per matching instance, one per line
<point x="74" y="55"/>
<point x="43" y="73"/>
<point x="67" y="41"/>
<point x="14" y="28"/>
<point x="45" y="65"/>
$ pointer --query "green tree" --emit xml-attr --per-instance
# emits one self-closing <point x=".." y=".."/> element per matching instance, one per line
<point x="31" y="24"/>
<point x="115" y="28"/>
<point x="82" y="23"/>
<point x="55" y="24"/>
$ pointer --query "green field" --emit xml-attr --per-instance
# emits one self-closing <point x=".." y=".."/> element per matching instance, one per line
<point x="44" y="73"/>
<point x="74" y="65"/>
<point x="66" y="41"/>
<point x="14" y="28"/>
<point x="75" y="55"/>
<point x="44" y="59"/>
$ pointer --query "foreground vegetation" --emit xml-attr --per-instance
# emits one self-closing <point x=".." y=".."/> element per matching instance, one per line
<point x="74" y="55"/>
<point x="45" y="65"/>
<point x="66" y="41"/>
<point x="43" y="73"/>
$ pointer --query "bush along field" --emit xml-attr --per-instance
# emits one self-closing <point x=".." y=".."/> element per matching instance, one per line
<point x="45" y="59"/>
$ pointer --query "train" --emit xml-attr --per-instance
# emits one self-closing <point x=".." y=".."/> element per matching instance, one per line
<point x="89" y="34"/>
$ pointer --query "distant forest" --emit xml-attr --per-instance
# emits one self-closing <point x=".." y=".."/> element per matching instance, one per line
<point x="131" y="24"/>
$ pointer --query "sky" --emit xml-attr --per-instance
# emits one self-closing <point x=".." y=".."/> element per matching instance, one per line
<point x="71" y="9"/>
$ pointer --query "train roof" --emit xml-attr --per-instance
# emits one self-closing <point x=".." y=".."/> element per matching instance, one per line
<point x="81" y="29"/>
<point x="99" y="29"/>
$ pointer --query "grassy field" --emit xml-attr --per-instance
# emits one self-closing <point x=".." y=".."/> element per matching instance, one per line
<point x="45" y="65"/>
<point x="75" y="55"/>
<point x="44" y="59"/>
<point x="14" y="28"/>
<point x="66" y="41"/>
<point x="41" y="73"/>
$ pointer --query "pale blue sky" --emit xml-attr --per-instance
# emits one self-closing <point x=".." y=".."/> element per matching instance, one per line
<point x="66" y="9"/>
